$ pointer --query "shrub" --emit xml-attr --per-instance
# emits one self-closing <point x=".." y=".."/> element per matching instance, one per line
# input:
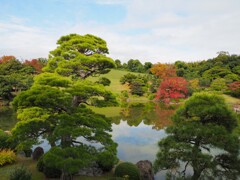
<point x="104" y="81"/>
<point x="49" y="172"/>
<point x="28" y="152"/>
<point x="106" y="161"/>
<point x="40" y="164"/>
<point x="127" y="169"/>
<point x="3" y="140"/>
<point x="21" y="173"/>
<point x="37" y="153"/>
<point x="7" y="156"/>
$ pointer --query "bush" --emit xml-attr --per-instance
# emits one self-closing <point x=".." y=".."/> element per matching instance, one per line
<point x="127" y="169"/>
<point x="40" y="164"/>
<point x="4" y="140"/>
<point x="106" y="161"/>
<point x="104" y="81"/>
<point x="37" y="153"/>
<point x="28" y="152"/>
<point x="49" y="172"/>
<point x="7" y="156"/>
<point x="21" y="173"/>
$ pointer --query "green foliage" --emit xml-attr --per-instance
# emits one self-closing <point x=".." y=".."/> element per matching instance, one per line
<point x="137" y="87"/>
<point x="4" y="142"/>
<point x="53" y="108"/>
<point x="104" y="81"/>
<point x="231" y="78"/>
<point x="7" y="156"/>
<point x="80" y="56"/>
<point x="216" y="72"/>
<point x="207" y="108"/>
<point x="127" y="170"/>
<point x="223" y="66"/>
<point x="40" y="164"/>
<point x="201" y="139"/>
<point x="13" y="78"/>
<point x="21" y="173"/>
<point x="49" y="172"/>
<point x="27" y="152"/>
<point x="135" y="66"/>
<point x="70" y="160"/>
<point x="128" y="78"/>
<point x="52" y="79"/>
<point x="219" y="84"/>
<point x="136" y="83"/>
<point x="118" y="64"/>
<point x="106" y="160"/>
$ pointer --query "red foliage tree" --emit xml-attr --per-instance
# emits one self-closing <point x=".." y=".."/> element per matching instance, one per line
<point x="4" y="59"/>
<point x="163" y="71"/>
<point x="172" y="88"/>
<point x="35" y="64"/>
<point x="234" y="88"/>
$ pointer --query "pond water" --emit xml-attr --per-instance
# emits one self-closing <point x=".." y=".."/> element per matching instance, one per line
<point x="137" y="130"/>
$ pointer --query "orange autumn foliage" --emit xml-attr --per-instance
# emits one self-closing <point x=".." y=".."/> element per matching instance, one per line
<point x="163" y="71"/>
<point x="35" y="64"/>
<point x="5" y="59"/>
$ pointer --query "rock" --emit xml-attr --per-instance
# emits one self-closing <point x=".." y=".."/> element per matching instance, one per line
<point x="37" y="153"/>
<point x="146" y="171"/>
<point x="93" y="170"/>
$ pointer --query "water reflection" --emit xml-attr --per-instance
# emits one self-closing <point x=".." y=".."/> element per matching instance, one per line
<point x="139" y="128"/>
<point x="136" y="143"/>
<point x="155" y="115"/>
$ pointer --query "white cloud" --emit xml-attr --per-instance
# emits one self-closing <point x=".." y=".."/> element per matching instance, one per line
<point x="24" y="42"/>
<point x="154" y="30"/>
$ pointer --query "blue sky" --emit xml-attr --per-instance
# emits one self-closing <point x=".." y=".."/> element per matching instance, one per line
<point x="148" y="30"/>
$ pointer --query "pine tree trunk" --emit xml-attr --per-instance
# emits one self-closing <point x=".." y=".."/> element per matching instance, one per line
<point x="66" y="176"/>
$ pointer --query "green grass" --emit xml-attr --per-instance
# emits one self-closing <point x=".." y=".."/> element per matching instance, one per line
<point x="5" y="171"/>
<point x="114" y="76"/>
<point x="231" y="100"/>
<point x="107" y="111"/>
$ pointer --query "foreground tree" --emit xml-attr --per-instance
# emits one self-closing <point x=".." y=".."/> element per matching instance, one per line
<point x="200" y="143"/>
<point x="54" y="108"/>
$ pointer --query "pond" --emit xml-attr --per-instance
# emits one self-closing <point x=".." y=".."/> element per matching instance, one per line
<point x="137" y="129"/>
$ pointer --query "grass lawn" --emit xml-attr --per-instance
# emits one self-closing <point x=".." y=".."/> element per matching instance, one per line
<point x="5" y="171"/>
<point x="107" y="111"/>
<point x="114" y="76"/>
<point x="231" y="100"/>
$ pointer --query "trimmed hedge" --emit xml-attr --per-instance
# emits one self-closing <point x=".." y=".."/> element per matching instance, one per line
<point x="127" y="170"/>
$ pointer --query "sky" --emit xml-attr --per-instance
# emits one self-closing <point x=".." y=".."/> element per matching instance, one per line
<point x="149" y="30"/>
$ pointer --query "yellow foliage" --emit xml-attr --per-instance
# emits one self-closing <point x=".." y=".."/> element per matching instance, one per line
<point x="7" y="156"/>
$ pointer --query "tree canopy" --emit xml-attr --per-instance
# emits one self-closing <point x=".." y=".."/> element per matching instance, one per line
<point x="200" y="143"/>
<point x="54" y="108"/>
<point x="80" y="56"/>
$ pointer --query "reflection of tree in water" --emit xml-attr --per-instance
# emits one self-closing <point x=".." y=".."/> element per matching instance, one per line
<point x="159" y="116"/>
